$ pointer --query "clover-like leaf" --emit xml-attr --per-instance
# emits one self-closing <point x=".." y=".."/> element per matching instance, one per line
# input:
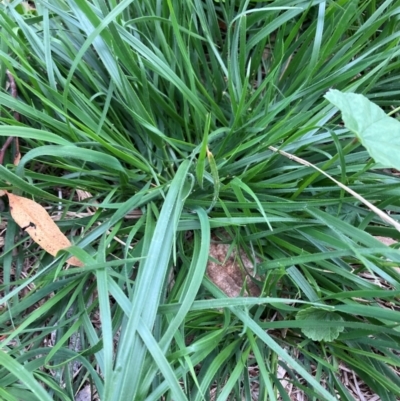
<point x="320" y="332"/>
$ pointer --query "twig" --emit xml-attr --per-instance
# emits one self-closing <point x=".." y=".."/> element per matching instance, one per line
<point x="14" y="94"/>
<point x="7" y="143"/>
<point x="378" y="212"/>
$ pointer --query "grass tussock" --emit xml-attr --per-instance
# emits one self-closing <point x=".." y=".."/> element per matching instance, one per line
<point x="145" y="129"/>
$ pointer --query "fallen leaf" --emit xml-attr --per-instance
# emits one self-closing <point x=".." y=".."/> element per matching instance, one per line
<point x="387" y="241"/>
<point x="35" y="220"/>
<point x="228" y="275"/>
<point x="17" y="158"/>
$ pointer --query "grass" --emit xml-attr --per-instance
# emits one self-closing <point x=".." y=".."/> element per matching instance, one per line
<point x="168" y="109"/>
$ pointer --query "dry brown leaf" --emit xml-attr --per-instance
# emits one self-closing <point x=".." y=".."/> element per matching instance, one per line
<point x="387" y="241"/>
<point x="17" y="159"/>
<point x="227" y="274"/>
<point x="35" y="220"/>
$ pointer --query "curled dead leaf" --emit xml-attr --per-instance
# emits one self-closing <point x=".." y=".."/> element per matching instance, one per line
<point x="34" y="219"/>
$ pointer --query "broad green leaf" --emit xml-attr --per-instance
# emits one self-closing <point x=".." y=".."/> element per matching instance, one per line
<point x="320" y="333"/>
<point x="379" y="133"/>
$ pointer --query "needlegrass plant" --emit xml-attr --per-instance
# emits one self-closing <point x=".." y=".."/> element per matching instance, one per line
<point x="145" y="128"/>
